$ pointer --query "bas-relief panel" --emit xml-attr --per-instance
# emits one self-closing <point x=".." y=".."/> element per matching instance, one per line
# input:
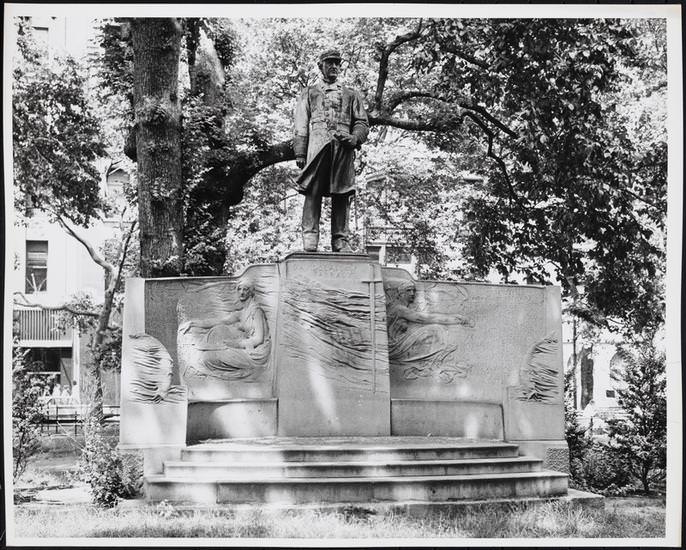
<point x="423" y="342"/>
<point x="328" y="329"/>
<point x="540" y="377"/>
<point x="470" y="358"/>
<point x="150" y="372"/>
<point x="225" y="337"/>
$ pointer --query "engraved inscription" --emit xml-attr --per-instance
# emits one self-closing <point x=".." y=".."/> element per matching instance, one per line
<point x="324" y="270"/>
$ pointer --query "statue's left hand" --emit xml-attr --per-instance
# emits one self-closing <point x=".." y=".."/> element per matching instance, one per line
<point x="349" y="141"/>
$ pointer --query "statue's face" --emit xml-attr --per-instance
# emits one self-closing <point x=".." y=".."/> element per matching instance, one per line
<point x="330" y="69"/>
<point x="244" y="291"/>
<point x="409" y="294"/>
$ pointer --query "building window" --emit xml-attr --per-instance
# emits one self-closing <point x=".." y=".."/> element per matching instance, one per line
<point x="609" y="393"/>
<point x="115" y="183"/>
<point x="36" y="266"/>
<point x="373" y="252"/>
<point x="41" y="36"/>
<point x="397" y="255"/>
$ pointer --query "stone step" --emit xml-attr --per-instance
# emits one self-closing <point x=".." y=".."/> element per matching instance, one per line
<point x="339" y="490"/>
<point x="357" y="452"/>
<point x="279" y="470"/>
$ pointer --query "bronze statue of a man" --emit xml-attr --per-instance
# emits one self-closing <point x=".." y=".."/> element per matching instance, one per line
<point x="330" y="123"/>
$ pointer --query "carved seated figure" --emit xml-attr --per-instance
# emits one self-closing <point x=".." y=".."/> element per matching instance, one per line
<point x="417" y="340"/>
<point x="236" y="345"/>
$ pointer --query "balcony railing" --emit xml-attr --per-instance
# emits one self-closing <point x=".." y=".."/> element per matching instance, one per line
<point x="41" y="324"/>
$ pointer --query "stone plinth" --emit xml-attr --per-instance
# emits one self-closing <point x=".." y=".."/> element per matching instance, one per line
<point x="153" y="407"/>
<point x="332" y="363"/>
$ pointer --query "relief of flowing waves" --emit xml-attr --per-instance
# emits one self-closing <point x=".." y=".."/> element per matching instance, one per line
<point x="208" y="300"/>
<point x="151" y="365"/>
<point x="337" y="328"/>
<point x="539" y="380"/>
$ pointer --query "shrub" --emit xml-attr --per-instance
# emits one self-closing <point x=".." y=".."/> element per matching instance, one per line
<point x="26" y="413"/>
<point x="604" y="471"/>
<point x="131" y="475"/>
<point x="576" y="435"/>
<point x="640" y="437"/>
<point x="110" y="475"/>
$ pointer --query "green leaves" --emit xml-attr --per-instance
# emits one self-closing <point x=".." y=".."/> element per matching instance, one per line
<point x="26" y="412"/>
<point x="577" y="150"/>
<point x="56" y="140"/>
<point x="641" y="436"/>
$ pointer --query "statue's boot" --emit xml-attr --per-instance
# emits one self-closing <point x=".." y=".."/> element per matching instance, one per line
<point x="340" y="244"/>
<point x="310" y="242"/>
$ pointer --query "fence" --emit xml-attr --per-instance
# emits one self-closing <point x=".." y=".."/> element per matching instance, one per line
<point x="61" y="414"/>
<point x="41" y="324"/>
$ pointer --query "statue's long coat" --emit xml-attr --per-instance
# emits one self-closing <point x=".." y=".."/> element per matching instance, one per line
<point x="317" y="118"/>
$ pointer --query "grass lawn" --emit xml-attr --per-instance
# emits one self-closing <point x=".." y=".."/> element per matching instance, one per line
<point x="620" y="518"/>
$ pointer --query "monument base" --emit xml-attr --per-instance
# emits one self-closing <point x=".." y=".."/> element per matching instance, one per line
<point x="231" y="418"/>
<point x="475" y="420"/>
<point x="555" y="454"/>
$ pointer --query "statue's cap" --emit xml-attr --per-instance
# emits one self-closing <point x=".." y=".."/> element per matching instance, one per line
<point x="331" y="53"/>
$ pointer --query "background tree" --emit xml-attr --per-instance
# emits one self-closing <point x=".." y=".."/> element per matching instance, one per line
<point x="55" y="136"/>
<point x="640" y="436"/>
<point x="556" y="110"/>
<point x="26" y="412"/>
<point x="156" y="47"/>
<point x="56" y="145"/>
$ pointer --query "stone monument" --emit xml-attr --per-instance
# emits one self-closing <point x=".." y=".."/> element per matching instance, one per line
<point x="336" y="345"/>
<point x="332" y="345"/>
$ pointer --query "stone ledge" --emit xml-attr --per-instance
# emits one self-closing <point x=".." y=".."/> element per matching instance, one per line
<point x="229" y="400"/>
<point x="301" y="254"/>
<point x="410" y="508"/>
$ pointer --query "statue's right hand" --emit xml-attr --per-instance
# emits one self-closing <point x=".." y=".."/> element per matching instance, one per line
<point x="300" y="162"/>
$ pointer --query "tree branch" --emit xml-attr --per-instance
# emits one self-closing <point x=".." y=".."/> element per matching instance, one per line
<point x="24" y="302"/>
<point x="386" y="52"/>
<point x="402" y="96"/>
<point x="467" y="57"/>
<point x="247" y="165"/>
<point x="484" y="113"/>
<point x="491" y="154"/>
<point x="431" y="125"/>
<point x="399" y="97"/>
<point x="91" y="251"/>
<point x="123" y="250"/>
<point x="631" y="193"/>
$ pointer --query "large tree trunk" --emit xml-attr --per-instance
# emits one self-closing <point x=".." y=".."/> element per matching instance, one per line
<point x="207" y="209"/>
<point x="156" y="49"/>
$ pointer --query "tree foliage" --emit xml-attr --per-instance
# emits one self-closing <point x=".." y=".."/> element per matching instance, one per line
<point x="56" y="138"/>
<point x="640" y="437"/>
<point x="26" y="412"/>
<point x="564" y="118"/>
<point x="110" y="475"/>
<point x="572" y="188"/>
